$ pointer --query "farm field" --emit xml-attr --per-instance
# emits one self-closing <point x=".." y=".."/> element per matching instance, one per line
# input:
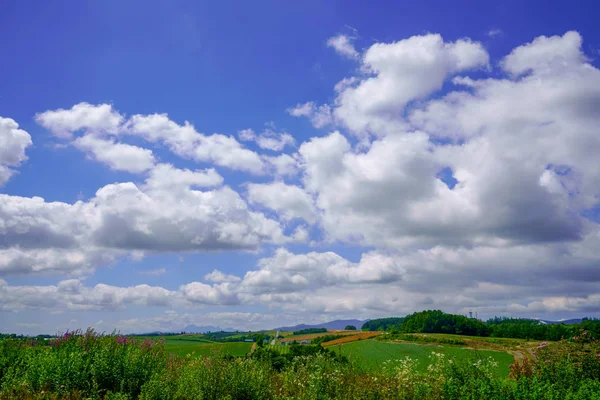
<point x="519" y="348"/>
<point x="311" y="336"/>
<point x="370" y="354"/>
<point x="184" y="347"/>
<point x="280" y="348"/>
<point x="352" y="338"/>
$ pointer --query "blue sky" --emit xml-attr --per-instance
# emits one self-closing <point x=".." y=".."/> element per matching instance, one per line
<point x="372" y="111"/>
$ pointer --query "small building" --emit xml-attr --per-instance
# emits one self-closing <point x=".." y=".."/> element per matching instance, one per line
<point x="248" y="340"/>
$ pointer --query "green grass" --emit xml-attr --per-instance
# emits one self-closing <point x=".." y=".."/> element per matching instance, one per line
<point x="187" y="339"/>
<point x="370" y="354"/>
<point x="280" y="348"/>
<point x="183" y="347"/>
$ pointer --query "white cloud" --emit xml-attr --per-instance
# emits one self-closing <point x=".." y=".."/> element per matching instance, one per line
<point x="72" y="295"/>
<point x="217" y="276"/>
<point x="546" y="55"/>
<point x="343" y="45"/>
<point x="68" y="261"/>
<point x="285" y="272"/>
<point x="452" y="278"/>
<point x="164" y="214"/>
<point x="83" y="116"/>
<point x="506" y="237"/>
<point x="287" y="200"/>
<point x="186" y="142"/>
<point x="118" y="156"/>
<point x="183" y="140"/>
<point x="222" y="293"/>
<point x="13" y="143"/>
<point x="320" y="116"/>
<point x="268" y="139"/>
<point x="5" y="174"/>
<point x="166" y="176"/>
<point x="398" y="73"/>
<point x="523" y="153"/>
<point x="282" y="165"/>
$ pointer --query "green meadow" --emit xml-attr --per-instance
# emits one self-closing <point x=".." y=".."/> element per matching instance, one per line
<point x="371" y="354"/>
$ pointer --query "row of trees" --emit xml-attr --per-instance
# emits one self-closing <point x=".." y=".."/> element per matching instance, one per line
<point x="382" y="324"/>
<point x="436" y="321"/>
<point x="309" y="331"/>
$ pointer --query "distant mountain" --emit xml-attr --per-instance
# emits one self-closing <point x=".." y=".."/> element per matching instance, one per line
<point x="332" y="325"/>
<point x="206" y="328"/>
<point x="571" y="321"/>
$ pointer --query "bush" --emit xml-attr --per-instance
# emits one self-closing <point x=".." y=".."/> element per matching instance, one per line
<point x="88" y="364"/>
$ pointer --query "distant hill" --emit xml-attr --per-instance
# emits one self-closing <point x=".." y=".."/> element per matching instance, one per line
<point x="332" y="325"/>
<point x="571" y="321"/>
<point x="205" y="328"/>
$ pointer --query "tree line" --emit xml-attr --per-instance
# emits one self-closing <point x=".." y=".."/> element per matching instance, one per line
<point x="437" y="321"/>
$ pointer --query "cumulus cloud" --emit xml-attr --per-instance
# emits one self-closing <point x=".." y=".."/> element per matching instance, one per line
<point x="268" y="139"/>
<point x="222" y="293"/>
<point x="13" y="143"/>
<point x="282" y="165"/>
<point x="217" y="276"/>
<point x="67" y="261"/>
<point x="287" y="200"/>
<point x="186" y="142"/>
<point x="522" y="152"/>
<point x="101" y="120"/>
<point x="546" y="55"/>
<point x="63" y="123"/>
<point x="72" y="295"/>
<point x="551" y="280"/>
<point x="320" y="116"/>
<point x="400" y="72"/>
<point x="473" y="198"/>
<point x="118" y="156"/>
<point x="165" y="176"/>
<point x="164" y="214"/>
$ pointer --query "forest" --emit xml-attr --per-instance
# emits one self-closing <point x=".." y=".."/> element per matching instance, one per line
<point x="437" y="321"/>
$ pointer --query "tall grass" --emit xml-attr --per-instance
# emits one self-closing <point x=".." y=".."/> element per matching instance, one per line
<point x="85" y="365"/>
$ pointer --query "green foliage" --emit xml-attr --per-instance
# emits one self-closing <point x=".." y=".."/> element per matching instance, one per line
<point x="528" y="329"/>
<point x="436" y="321"/>
<point x="91" y="366"/>
<point x="212" y="378"/>
<point x="350" y="328"/>
<point x="382" y="324"/>
<point x="534" y="330"/>
<point x="407" y="337"/>
<point x="88" y="364"/>
<point x="309" y="331"/>
<point x="280" y="360"/>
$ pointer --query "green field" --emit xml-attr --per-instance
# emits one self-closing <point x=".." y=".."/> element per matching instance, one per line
<point x="280" y="348"/>
<point x="183" y="348"/>
<point x="370" y="354"/>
